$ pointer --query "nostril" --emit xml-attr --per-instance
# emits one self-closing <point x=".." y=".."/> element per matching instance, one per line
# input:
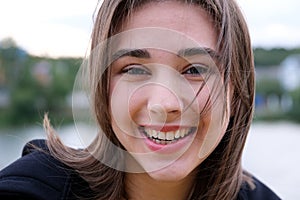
<point x="156" y="108"/>
<point x="162" y="109"/>
<point x="157" y="113"/>
<point x="174" y="111"/>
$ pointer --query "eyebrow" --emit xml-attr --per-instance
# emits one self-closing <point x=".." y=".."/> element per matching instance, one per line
<point x="143" y="53"/>
<point x="138" y="53"/>
<point x="198" y="51"/>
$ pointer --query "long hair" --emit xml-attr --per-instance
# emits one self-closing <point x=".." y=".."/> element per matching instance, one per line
<point x="220" y="175"/>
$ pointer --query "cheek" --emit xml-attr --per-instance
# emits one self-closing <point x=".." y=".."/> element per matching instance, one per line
<point x="203" y="100"/>
<point x="214" y="120"/>
<point x="118" y="101"/>
<point x="119" y="108"/>
<point x="126" y="104"/>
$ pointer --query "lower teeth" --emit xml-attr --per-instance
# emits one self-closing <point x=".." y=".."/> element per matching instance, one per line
<point x="162" y="141"/>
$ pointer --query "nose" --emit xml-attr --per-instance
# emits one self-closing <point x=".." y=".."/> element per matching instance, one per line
<point x="163" y="104"/>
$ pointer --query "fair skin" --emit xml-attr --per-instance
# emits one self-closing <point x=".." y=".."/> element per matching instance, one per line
<point x="149" y="94"/>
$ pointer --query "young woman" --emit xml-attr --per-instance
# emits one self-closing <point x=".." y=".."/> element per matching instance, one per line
<point x="171" y="86"/>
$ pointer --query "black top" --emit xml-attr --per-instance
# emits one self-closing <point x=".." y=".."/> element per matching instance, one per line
<point x="39" y="176"/>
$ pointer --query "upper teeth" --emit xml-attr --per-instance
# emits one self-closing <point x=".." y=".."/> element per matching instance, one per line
<point x="167" y="136"/>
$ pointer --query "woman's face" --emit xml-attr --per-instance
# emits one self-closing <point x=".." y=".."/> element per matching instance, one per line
<point x="158" y="113"/>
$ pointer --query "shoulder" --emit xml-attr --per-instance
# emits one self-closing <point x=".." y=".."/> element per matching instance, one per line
<point x="260" y="192"/>
<point x="38" y="175"/>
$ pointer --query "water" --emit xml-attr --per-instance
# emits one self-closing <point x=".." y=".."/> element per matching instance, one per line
<point x="271" y="152"/>
<point x="13" y="141"/>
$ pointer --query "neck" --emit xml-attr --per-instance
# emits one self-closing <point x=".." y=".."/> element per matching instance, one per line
<point x="142" y="186"/>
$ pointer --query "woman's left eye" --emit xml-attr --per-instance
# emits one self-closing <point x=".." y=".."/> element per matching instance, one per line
<point x="195" y="70"/>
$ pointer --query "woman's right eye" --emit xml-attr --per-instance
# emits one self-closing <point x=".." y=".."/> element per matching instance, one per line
<point x="135" y="70"/>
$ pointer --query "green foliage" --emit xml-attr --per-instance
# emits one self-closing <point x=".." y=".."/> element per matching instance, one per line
<point x="269" y="87"/>
<point x="294" y="114"/>
<point x="35" y="85"/>
<point x="271" y="57"/>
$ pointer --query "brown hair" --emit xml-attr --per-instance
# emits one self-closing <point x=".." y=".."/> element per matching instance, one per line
<point x="218" y="177"/>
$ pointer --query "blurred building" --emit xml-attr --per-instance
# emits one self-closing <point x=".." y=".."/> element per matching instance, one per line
<point x="275" y="84"/>
<point x="289" y="73"/>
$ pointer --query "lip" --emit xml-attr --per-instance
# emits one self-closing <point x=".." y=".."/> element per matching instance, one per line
<point x="163" y="128"/>
<point x="172" y="147"/>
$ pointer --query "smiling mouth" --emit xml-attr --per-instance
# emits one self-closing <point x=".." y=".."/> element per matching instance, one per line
<point x="165" y="138"/>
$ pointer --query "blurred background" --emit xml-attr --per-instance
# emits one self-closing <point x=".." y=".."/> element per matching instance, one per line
<point x="42" y="44"/>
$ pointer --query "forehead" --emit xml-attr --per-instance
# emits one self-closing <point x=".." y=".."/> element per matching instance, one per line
<point x="187" y="19"/>
<point x="153" y="42"/>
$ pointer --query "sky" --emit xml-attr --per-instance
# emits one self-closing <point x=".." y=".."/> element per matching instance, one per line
<point x="63" y="27"/>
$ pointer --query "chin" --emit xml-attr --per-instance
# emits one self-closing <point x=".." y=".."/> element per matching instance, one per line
<point x="170" y="174"/>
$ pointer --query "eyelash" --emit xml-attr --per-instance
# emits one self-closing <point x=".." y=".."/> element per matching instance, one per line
<point x="135" y="69"/>
<point x="196" y="70"/>
<point x="193" y="70"/>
